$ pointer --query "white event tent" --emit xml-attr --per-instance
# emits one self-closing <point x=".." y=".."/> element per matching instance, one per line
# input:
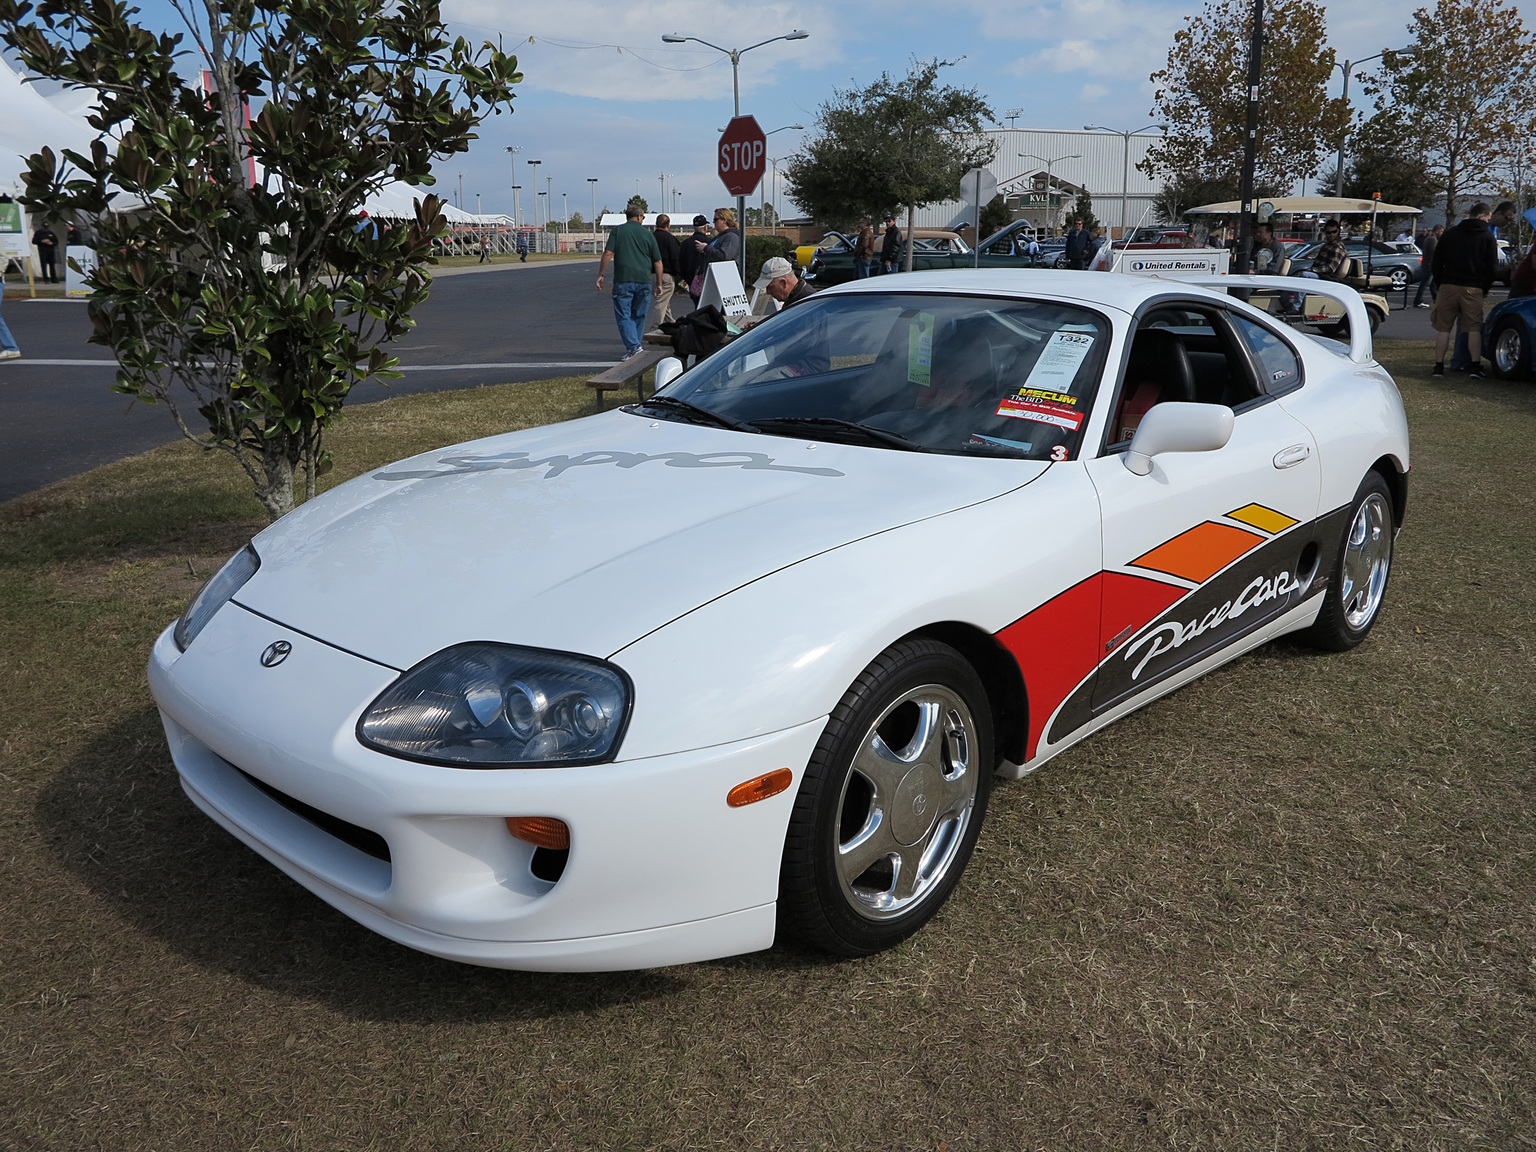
<point x="30" y="121"/>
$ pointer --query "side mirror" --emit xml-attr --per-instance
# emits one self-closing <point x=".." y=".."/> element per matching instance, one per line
<point x="667" y="371"/>
<point x="1178" y="427"/>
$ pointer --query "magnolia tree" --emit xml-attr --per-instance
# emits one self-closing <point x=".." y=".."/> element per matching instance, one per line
<point x="904" y="141"/>
<point x="1201" y="97"/>
<point x="236" y="280"/>
<point x="1462" y="97"/>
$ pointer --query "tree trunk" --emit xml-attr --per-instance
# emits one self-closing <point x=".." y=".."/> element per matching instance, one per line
<point x="911" y="223"/>
<point x="276" y="495"/>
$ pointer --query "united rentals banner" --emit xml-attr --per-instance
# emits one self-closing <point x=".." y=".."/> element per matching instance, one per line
<point x="1172" y="265"/>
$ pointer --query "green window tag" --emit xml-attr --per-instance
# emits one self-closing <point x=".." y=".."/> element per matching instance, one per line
<point x="920" y="350"/>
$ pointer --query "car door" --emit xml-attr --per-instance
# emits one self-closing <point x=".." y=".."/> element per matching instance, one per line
<point x="1212" y="544"/>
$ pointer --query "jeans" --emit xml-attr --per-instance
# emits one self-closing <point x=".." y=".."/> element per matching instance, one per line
<point x="630" y="304"/>
<point x="7" y="341"/>
<point x="1425" y="282"/>
<point x="865" y="268"/>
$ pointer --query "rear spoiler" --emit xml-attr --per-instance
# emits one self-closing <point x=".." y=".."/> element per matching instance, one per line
<point x="1360" y="350"/>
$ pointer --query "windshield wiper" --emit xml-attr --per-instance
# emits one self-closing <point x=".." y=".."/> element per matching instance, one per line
<point x="868" y="431"/>
<point x="683" y="407"/>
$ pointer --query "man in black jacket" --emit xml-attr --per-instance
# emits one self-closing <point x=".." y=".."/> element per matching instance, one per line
<point x="890" y="249"/>
<point x="1464" y="265"/>
<point x="671" y="257"/>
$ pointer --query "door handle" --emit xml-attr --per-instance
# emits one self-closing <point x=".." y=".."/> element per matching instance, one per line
<point x="1292" y="456"/>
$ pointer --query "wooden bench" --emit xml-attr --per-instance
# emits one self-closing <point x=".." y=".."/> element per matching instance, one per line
<point x="627" y="371"/>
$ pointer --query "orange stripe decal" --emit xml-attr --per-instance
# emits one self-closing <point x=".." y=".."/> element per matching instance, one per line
<point x="1199" y="553"/>
<point x="1262" y="518"/>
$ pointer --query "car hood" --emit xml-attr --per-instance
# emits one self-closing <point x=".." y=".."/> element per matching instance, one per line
<point x="584" y="536"/>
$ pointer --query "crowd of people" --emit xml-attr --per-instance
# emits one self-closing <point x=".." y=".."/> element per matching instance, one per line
<point x="653" y="268"/>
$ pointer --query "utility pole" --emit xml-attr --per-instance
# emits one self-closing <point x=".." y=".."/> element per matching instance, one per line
<point x="1250" y="139"/>
<point x="592" y="184"/>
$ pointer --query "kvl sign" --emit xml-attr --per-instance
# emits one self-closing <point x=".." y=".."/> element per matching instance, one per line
<point x="743" y="155"/>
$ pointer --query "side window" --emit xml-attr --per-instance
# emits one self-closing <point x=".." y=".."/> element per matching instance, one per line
<point x="1180" y="354"/>
<point x="1278" y="367"/>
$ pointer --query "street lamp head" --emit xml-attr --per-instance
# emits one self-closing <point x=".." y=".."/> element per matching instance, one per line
<point x="673" y="38"/>
<point x="798" y="34"/>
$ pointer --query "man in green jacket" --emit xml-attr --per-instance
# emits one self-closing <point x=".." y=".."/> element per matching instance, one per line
<point x="636" y="259"/>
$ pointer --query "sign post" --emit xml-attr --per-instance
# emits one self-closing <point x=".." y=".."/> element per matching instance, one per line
<point x="743" y="157"/>
<point x="978" y="185"/>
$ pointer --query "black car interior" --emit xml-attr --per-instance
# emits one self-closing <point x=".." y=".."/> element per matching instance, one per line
<point x="1182" y="353"/>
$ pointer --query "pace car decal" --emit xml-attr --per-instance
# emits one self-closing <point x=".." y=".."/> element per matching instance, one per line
<point x="1118" y="633"/>
<point x="520" y="461"/>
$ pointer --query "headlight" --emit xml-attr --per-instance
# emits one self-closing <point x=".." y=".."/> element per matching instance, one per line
<point x="485" y="705"/>
<point x="215" y="594"/>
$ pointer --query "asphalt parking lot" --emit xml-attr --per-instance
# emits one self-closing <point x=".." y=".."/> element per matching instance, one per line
<point x="500" y="325"/>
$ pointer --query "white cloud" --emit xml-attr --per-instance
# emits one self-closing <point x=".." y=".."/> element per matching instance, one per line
<point x="613" y="52"/>
<point x="1094" y="92"/>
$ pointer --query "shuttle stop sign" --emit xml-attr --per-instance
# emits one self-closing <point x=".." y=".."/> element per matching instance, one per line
<point x="743" y="155"/>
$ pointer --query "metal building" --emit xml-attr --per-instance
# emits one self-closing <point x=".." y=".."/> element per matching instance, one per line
<point x="1102" y="162"/>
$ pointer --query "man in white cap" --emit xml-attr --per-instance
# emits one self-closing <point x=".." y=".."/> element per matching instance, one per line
<point x="783" y="284"/>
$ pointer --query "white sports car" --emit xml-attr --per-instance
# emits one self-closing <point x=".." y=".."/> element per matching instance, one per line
<point x="651" y="686"/>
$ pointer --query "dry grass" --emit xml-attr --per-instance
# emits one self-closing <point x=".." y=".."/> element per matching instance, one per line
<point x="1289" y="907"/>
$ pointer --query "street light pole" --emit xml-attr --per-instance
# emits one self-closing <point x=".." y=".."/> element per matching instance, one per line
<point x="534" y="164"/>
<point x="736" y="54"/>
<point x="1346" y="68"/>
<point x="512" y="151"/>
<point x="1125" y="168"/>
<point x="592" y="184"/>
<point x="1049" y="164"/>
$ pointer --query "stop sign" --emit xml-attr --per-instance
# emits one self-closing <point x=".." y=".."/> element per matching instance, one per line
<point x="743" y="155"/>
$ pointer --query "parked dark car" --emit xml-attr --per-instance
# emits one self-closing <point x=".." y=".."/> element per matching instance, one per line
<point x="935" y="248"/>
<point x="1405" y="268"/>
<point x="1509" y="337"/>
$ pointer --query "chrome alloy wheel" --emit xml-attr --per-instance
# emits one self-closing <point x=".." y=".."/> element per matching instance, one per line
<point x="907" y="802"/>
<point x="1507" y="351"/>
<point x="1367" y="556"/>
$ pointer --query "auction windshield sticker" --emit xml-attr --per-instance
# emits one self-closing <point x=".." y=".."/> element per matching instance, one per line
<point x="1027" y="406"/>
<point x="1059" y="360"/>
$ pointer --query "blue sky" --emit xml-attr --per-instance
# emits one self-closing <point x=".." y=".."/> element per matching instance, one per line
<point x="603" y="97"/>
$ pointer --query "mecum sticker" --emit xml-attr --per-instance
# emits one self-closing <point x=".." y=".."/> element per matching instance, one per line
<point x="1022" y="407"/>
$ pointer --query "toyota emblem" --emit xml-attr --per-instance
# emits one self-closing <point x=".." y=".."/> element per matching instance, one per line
<point x="275" y="653"/>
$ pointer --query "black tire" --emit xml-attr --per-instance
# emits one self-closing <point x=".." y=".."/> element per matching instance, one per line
<point x="1509" y="352"/>
<point x="843" y="816"/>
<point x="1357" y="585"/>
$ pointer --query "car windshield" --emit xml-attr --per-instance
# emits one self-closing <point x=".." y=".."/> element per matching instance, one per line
<point x="954" y="374"/>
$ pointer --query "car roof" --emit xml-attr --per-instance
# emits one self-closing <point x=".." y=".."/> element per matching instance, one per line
<point x="1106" y="289"/>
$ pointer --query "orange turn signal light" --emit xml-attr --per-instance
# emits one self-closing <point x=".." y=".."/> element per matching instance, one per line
<point x="544" y="831"/>
<point x="759" y="788"/>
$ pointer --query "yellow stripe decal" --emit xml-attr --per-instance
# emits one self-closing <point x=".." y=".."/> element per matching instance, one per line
<point x="1262" y="518"/>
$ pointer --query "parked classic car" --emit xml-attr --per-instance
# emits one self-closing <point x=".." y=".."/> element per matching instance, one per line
<point x="934" y="248"/>
<point x="744" y="658"/>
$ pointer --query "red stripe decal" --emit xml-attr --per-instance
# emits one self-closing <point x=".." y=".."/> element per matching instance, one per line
<point x="1062" y="641"/>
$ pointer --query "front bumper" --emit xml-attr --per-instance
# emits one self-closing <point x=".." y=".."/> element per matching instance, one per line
<point x="660" y="870"/>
